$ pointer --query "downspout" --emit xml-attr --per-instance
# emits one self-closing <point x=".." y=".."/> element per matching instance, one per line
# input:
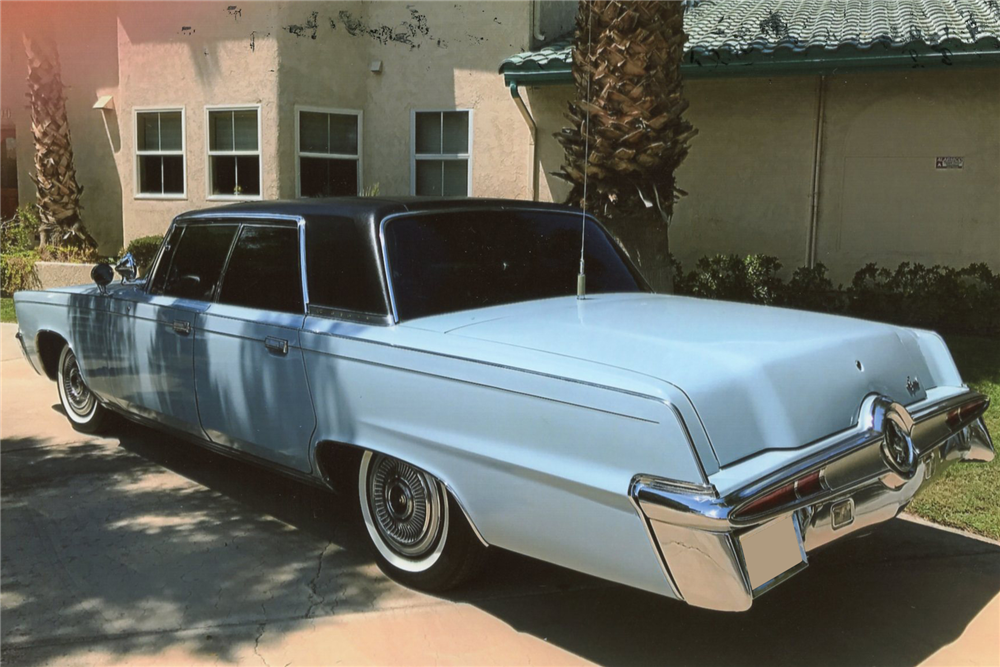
<point x="532" y="131"/>
<point x="536" y="34"/>
<point x="817" y="160"/>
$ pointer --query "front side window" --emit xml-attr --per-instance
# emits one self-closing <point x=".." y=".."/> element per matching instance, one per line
<point x="264" y="270"/>
<point x="159" y="153"/>
<point x="234" y="153"/>
<point x="194" y="265"/>
<point x="441" y="153"/>
<point x="449" y="261"/>
<point x="329" y="146"/>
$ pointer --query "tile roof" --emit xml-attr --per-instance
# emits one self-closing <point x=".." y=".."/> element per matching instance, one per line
<point x="734" y="28"/>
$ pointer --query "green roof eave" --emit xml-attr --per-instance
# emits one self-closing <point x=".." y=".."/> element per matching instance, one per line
<point x="558" y="71"/>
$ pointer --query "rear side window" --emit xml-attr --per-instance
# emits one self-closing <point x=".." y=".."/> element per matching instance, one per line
<point x="343" y="269"/>
<point x="264" y="270"/>
<point x="195" y="262"/>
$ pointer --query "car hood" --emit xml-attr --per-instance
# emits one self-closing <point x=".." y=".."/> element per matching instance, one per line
<point x="759" y="377"/>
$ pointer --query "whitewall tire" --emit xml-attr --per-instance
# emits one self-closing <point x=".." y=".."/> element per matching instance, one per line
<point x="84" y="411"/>
<point x="418" y="537"/>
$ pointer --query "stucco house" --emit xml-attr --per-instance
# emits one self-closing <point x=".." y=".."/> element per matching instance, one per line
<point x="840" y="132"/>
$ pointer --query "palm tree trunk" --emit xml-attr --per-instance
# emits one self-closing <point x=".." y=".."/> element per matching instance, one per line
<point x="58" y="192"/>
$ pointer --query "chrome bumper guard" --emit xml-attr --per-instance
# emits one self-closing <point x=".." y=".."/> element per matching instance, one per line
<point x="722" y="552"/>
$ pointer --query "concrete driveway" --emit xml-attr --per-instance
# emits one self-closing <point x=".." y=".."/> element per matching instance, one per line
<point x="140" y="549"/>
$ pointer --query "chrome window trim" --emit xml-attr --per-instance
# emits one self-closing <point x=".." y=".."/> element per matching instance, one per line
<point x="386" y="266"/>
<point x="346" y="315"/>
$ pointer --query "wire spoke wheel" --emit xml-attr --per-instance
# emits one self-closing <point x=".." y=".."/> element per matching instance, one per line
<point x="78" y="398"/>
<point x="405" y="511"/>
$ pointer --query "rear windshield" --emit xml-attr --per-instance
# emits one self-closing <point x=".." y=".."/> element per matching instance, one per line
<point x="449" y="261"/>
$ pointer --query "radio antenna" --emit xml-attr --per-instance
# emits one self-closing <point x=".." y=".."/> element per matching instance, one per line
<point x="581" y="279"/>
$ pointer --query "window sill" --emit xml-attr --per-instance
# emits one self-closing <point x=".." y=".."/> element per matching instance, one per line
<point x="234" y="198"/>
<point x="153" y="197"/>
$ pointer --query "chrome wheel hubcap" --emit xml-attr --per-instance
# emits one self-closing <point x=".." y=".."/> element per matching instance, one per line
<point x="78" y="397"/>
<point x="406" y="505"/>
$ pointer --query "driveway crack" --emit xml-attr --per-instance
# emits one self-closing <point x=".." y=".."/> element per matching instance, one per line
<point x="315" y="599"/>
<point x="256" y="643"/>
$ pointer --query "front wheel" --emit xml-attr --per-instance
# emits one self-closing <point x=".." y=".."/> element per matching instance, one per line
<point x="85" y="412"/>
<point x="420" y="536"/>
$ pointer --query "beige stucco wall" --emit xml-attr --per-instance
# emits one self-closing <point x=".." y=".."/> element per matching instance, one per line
<point x="85" y="36"/>
<point x="749" y="172"/>
<point x="192" y="55"/>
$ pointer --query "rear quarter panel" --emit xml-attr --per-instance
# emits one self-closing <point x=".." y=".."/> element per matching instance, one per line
<point x="542" y="464"/>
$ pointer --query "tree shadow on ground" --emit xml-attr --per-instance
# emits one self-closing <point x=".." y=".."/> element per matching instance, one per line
<point x="152" y="535"/>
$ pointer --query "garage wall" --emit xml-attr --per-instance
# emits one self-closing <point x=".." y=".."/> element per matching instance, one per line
<point x="749" y="173"/>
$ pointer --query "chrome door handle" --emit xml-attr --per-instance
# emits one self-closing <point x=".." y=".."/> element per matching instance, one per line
<point x="279" y="345"/>
<point x="182" y="327"/>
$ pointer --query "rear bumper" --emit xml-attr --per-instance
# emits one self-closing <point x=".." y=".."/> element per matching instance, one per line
<point x="722" y="552"/>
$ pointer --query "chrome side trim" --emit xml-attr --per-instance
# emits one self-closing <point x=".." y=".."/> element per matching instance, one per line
<point x="302" y="263"/>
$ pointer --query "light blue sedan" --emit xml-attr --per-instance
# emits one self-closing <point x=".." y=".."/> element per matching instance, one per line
<point x="434" y="358"/>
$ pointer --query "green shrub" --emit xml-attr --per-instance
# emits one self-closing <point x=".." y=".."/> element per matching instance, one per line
<point x="20" y="232"/>
<point x="143" y="250"/>
<point x="940" y="298"/>
<point x="751" y="279"/>
<point x="17" y="271"/>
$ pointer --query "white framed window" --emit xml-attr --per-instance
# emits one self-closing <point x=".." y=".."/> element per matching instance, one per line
<point x="441" y="153"/>
<point x="160" y="161"/>
<point x="327" y="152"/>
<point x="235" y="169"/>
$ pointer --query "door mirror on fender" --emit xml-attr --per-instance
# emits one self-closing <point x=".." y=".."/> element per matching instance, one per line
<point x="102" y="274"/>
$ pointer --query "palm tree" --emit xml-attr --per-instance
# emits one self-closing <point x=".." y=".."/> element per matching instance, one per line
<point x="58" y="192"/>
<point x="628" y="131"/>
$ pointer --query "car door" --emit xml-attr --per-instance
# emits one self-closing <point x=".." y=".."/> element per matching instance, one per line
<point x="250" y="376"/>
<point x="155" y="329"/>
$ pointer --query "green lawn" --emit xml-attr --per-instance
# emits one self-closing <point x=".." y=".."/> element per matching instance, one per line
<point x="7" y="310"/>
<point x="968" y="496"/>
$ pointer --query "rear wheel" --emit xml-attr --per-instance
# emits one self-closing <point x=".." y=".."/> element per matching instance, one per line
<point x="420" y="536"/>
<point x="85" y="412"/>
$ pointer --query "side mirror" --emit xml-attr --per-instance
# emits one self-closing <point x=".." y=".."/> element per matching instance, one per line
<point x="126" y="268"/>
<point x="102" y="274"/>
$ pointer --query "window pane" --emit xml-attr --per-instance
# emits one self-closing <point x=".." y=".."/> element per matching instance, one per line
<point x="223" y="175"/>
<point x="322" y="177"/>
<point x="313" y="132"/>
<point x="456" y="178"/>
<point x="166" y="257"/>
<point x="198" y="261"/>
<point x="456" y="132"/>
<point x="246" y="129"/>
<point x="428" y="132"/>
<point x="150" y="174"/>
<point x="429" y="178"/>
<point x="173" y="174"/>
<point x="343" y="134"/>
<point x="264" y="270"/>
<point x="449" y="261"/>
<point x="248" y="174"/>
<point x="147" y="132"/>
<point x="220" y="130"/>
<point x="343" y="266"/>
<point x="170" y="131"/>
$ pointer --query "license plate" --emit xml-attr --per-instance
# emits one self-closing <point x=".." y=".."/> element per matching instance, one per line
<point x="771" y="550"/>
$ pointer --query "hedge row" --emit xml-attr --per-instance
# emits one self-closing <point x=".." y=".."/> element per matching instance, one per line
<point x="940" y="298"/>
